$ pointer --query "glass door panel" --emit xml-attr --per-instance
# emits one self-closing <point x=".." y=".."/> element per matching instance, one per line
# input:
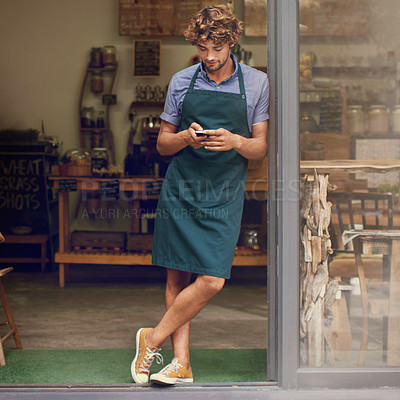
<point x="349" y="122"/>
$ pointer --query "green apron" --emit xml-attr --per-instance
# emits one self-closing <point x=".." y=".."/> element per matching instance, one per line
<point x="200" y="207"/>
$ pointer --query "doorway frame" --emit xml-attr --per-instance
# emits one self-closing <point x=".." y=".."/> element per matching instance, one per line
<point x="283" y="257"/>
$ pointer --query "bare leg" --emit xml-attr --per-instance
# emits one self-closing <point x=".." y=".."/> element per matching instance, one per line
<point x="176" y="282"/>
<point x="187" y="304"/>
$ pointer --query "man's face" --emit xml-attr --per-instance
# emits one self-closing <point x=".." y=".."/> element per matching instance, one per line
<point x="213" y="56"/>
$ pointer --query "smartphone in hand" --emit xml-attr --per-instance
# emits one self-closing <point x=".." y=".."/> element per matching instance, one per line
<point x="201" y="133"/>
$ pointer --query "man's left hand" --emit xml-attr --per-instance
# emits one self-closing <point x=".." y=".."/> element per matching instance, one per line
<point x="220" y="140"/>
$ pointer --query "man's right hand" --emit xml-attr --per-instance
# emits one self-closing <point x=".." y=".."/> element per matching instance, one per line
<point x="169" y="141"/>
<point x="192" y="139"/>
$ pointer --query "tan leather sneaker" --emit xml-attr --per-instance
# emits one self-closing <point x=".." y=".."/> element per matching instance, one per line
<point x="171" y="374"/>
<point x="144" y="357"/>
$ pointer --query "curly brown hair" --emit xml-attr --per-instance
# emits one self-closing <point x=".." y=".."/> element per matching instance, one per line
<point x="216" y="23"/>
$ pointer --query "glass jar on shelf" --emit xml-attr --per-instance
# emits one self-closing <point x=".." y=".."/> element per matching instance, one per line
<point x="78" y="161"/>
<point x="378" y="119"/>
<point x="87" y="117"/>
<point x="99" y="156"/>
<point x="96" y="82"/>
<point x="355" y="120"/>
<point x="109" y="56"/>
<point x="100" y="121"/>
<point x="396" y="119"/>
<point x="76" y="156"/>
<point x="96" y="57"/>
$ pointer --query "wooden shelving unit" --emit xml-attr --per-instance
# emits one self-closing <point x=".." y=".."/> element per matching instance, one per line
<point x="109" y="73"/>
<point x="355" y="72"/>
<point x="314" y="105"/>
<point x="147" y="104"/>
<point x="105" y="258"/>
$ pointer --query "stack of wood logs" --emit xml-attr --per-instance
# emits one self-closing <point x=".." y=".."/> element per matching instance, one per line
<point x="316" y="290"/>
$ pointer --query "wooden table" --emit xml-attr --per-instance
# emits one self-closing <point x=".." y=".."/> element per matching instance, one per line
<point x="138" y="190"/>
<point x="28" y="239"/>
<point x="315" y="289"/>
<point x="392" y="238"/>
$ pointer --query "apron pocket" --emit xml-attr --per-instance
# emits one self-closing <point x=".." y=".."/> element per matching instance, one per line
<point x="204" y="183"/>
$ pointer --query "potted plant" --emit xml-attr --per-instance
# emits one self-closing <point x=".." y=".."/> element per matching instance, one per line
<point x="63" y="166"/>
<point x="311" y="148"/>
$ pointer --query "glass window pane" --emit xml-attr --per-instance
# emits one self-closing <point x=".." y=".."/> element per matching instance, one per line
<point x="350" y="210"/>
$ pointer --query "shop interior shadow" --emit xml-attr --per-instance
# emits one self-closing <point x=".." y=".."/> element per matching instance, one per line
<point x="102" y="307"/>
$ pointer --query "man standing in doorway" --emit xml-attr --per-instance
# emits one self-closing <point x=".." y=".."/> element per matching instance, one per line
<point x="215" y="119"/>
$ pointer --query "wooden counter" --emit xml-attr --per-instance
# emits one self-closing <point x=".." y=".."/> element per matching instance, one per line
<point x="352" y="166"/>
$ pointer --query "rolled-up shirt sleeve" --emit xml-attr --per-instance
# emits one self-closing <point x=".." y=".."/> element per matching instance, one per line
<point x="261" y="110"/>
<point x="177" y="89"/>
<point x="171" y="111"/>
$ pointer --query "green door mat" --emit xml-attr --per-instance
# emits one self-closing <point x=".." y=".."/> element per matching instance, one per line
<point x="113" y="366"/>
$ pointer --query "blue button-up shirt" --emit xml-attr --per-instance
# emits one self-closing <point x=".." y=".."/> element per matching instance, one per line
<point x="256" y="85"/>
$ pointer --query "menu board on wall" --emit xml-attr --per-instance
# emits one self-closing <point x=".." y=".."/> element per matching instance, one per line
<point x="159" y="17"/>
<point x="146" y="57"/>
<point x="334" y="17"/>
<point x="23" y="192"/>
<point x="255" y="17"/>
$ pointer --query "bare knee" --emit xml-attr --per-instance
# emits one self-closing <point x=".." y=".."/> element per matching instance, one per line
<point x="211" y="284"/>
<point x="177" y="280"/>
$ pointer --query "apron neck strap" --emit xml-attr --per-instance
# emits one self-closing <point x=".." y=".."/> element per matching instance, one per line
<point x="240" y="76"/>
<point x="241" y="81"/>
<point x="194" y="78"/>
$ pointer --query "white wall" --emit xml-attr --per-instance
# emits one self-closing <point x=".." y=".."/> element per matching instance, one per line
<point x="45" y="48"/>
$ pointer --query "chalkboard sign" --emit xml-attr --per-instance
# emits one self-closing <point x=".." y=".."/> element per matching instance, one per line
<point x="110" y="187"/>
<point x="159" y="17"/>
<point x="153" y="187"/>
<point x="109" y="99"/>
<point x="23" y="192"/>
<point x="67" y="185"/>
<point x="146" y="57"/>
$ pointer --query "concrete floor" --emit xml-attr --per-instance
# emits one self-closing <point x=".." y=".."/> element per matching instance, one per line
<point x="103" y="306"/>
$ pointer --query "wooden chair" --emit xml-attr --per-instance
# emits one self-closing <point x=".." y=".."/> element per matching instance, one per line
<point x="9" y="318"/>
<point x="369" y="211"/>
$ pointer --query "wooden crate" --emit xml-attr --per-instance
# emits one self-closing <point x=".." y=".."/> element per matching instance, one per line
<point x="139" y="242"/>
<point x="100" y="241"/>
